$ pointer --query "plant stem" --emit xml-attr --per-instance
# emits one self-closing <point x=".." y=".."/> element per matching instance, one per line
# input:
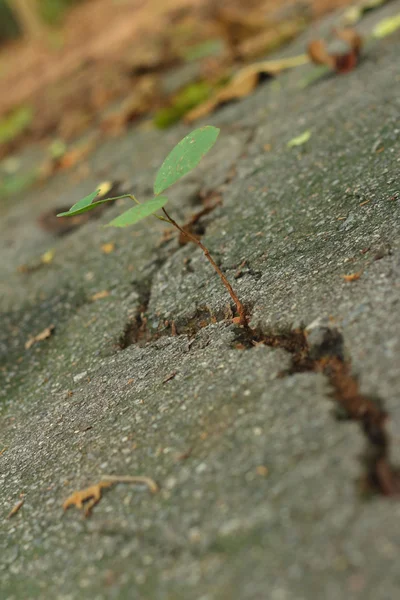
<point x="243" y="320"/>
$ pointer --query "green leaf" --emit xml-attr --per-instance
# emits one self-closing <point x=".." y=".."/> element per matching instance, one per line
<point x="185" y="156"/>
<point x="85" y="204"/>
<point x="300" y="139"/>
<point x="138" y="212"/>
<point x="81" y="206"/>
<point x="15" y="123"/>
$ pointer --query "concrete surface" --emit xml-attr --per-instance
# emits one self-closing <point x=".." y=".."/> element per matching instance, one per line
<point x="260" y="483"/>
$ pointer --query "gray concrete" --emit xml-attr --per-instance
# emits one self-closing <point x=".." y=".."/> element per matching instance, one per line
<point x="268" y="504"/>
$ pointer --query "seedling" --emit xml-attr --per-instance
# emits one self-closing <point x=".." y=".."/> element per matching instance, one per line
<point x="183" y="158"/>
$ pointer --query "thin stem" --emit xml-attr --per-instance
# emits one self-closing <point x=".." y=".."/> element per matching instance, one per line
<point x="131" y="196"/>
<point x="239" y="306"/>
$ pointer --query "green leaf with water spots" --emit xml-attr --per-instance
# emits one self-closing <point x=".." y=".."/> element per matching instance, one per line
<point x="185" y="156"/>
<point x="138" y="212"/>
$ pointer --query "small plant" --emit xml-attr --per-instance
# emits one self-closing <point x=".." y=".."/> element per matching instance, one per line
<point x="183" y="158"/>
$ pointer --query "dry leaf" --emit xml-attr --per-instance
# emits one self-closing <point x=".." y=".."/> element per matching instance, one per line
<point x="342" y="63"/>
<point x="318" y="53"/>
<point x="352" y="277"/>
<point x="272" y="38"/>
<point x="15" y="508"/>
<point x="45" y="259"/>
<point x="138" y="103"/>
<point x="169" y="377"/>
<point x="99" y="295"/>
<point x="237" y="23"/>
<point x="243" y="83"/>
<point x="67" y="159"/>
<point x="39" y="337"/>
<point x="76" y="155"/>
<point x="262" y="470"/>
<point x="87" y="498"/>
<point x="108" y="248"/>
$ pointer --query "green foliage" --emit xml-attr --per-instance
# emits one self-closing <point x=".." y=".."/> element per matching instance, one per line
<point x="187" y="98"/>
<point x="184" y="157"/>
<point x="53" y="11"/>
<point x="15" y="123"/>
<point x="213" y="47"/>
<point x="8" y="25"/>
<point x="82" y="205"/>
<point x="11" y="184"/>
<point x="139" y="212"/>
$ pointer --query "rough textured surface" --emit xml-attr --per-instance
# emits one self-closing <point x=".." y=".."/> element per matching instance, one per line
<point x="261" y="485"/>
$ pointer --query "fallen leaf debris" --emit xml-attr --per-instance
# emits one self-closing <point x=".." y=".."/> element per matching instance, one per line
<point x="43" y="335"/>
<point x="343" y="62"/>
<point x="87" y="498"/>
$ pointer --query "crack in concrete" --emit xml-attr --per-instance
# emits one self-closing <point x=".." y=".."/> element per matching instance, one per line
<point x="136" y="330"/>
<point x="322" y="350"/>
<point x="318" y="350"/>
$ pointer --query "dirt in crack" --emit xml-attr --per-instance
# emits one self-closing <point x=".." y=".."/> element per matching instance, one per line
<point x="322" y="351"/>
<point x="139" y="331"/>
<point x="135" y="331"/>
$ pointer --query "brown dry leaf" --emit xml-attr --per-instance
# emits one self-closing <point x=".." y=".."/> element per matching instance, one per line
<point x="39" y="337"/>
<point x="169" y="377"/>
<point x="341" y="63"/>
<point x="45" y="259"/>
<point x="152" y="54"/>
<point x="262" y="470"/>
<point x="352" y="277"/>
<point x="137" y="104"/>
<point x="68" y="159"/>
<point x="319" y="55"/>
<point x="272" y="38"/>
<point x="15" y="508"/>
<point x="237" y="23"/>
<point x="108" y="248"/>
<point x="87" y="498"/>
<point x="100" y="295"/>
<point x="91" y="495"/>
<point x="244" y="82"/>
<point x="76" y="155"/>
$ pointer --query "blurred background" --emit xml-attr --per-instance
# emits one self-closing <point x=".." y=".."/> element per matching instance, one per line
<point x="69" y="67"/>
